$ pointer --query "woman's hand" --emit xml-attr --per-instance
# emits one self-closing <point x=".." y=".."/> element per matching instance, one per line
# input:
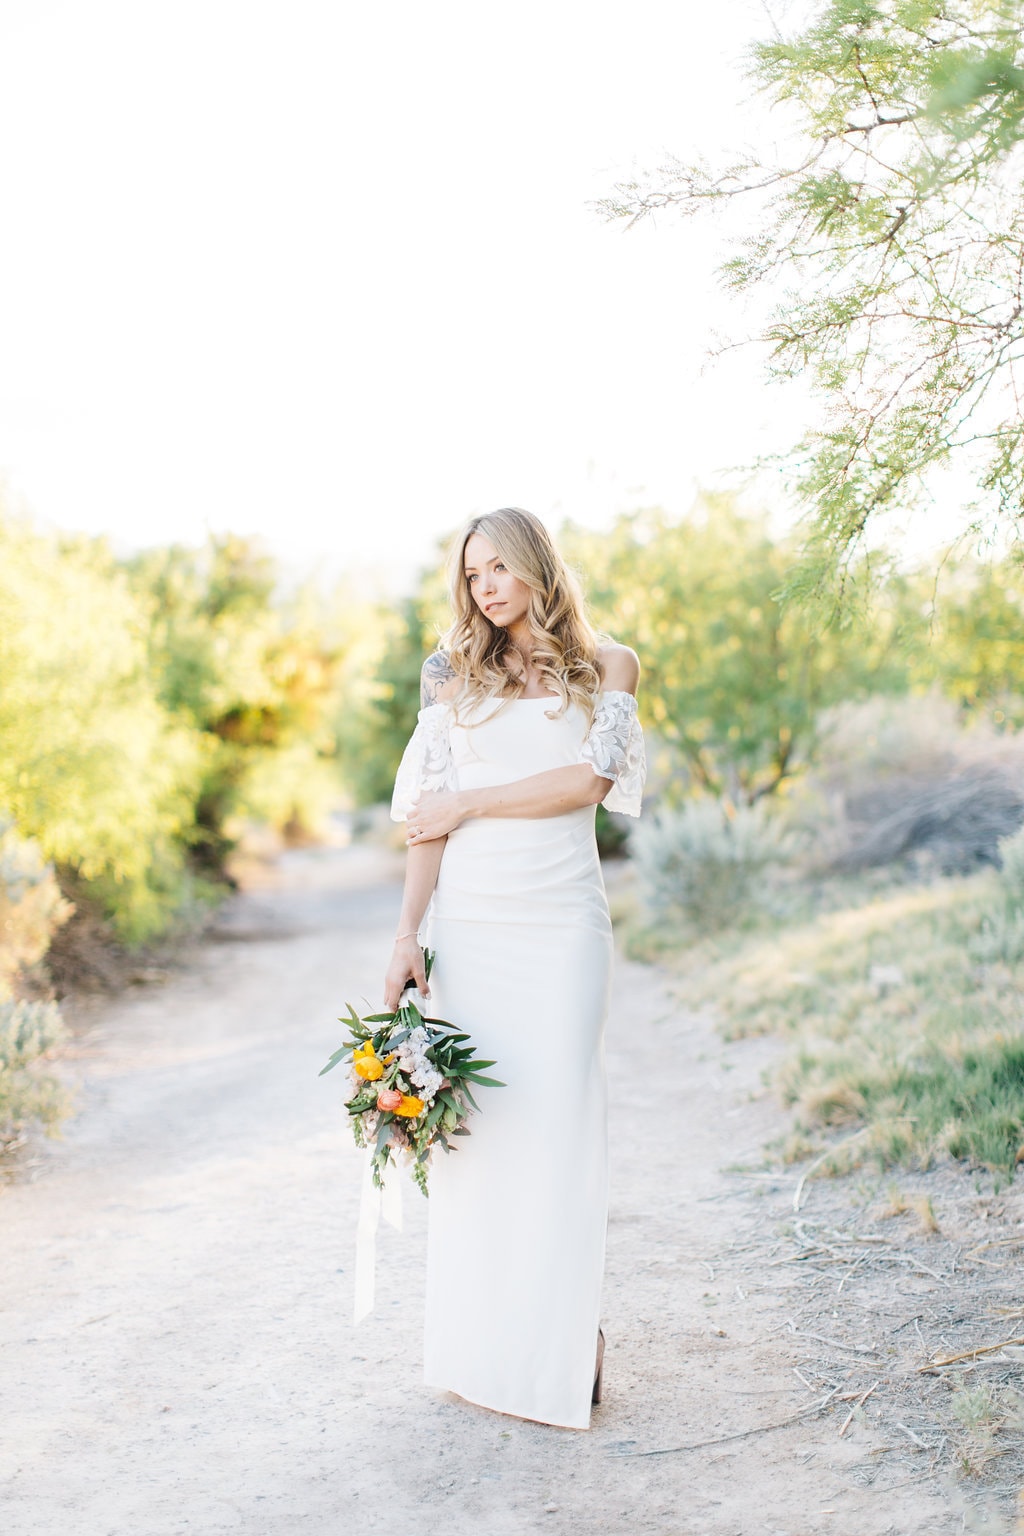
<point x="436" y="813"/>
<point x="406" y="965"/>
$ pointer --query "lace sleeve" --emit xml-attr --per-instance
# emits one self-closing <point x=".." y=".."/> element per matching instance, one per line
<point x="426" y="762"/>
<point x="614" y="748"/>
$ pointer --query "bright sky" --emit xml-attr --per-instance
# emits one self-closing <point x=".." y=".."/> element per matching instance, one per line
<point x="326" y="271"/>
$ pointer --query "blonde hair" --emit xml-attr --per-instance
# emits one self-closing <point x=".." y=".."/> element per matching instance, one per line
<point x="563" y="644"/>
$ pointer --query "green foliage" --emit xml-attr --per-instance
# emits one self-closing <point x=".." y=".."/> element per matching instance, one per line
<point x="1011" y="871"/>
<point x="379" y="715"/>
<point x="92" y="766"/>
<point x="254" y="679"/>
<point x="28" y="1031"/>
<point x="972" y="647"/>
<point x="374" y="739"/>
<point x="31" y="906"/>
<point x="699" y="863"/>
<point x="890" y="239"/>
<point x="149" y="708"/>
<point x="733" y="680"/>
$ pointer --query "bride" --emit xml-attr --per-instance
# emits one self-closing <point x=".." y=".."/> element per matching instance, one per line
<point x="528" y="721"/>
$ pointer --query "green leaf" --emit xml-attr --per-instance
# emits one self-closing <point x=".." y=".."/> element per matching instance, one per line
<point x="488" y="1082"/>
<point x="339" y="1055"/>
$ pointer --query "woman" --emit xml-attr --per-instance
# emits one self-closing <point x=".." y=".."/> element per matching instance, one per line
<point x="527" y="723"/>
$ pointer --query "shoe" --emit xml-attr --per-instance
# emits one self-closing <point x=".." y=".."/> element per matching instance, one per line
<point x="599" y="1373"/>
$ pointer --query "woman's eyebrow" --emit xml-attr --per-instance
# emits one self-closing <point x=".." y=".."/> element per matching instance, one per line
<point x="495" y="561"/>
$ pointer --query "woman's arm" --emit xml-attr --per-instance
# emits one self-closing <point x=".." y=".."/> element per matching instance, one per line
<point x="552" y="793"/>
<point x="422" y="864"/>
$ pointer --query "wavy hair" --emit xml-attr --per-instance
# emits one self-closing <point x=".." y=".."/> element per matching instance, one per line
<point x="563" y="642"/>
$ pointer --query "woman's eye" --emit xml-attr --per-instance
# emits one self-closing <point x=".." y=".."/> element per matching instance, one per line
<point x="471" y="579"/>
<point x="499" y="567"/>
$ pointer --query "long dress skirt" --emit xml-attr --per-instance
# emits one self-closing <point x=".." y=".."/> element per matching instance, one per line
<point x="518" y="1212"/>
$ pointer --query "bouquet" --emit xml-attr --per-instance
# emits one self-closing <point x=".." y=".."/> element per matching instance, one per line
<point x="410" y="1076"/>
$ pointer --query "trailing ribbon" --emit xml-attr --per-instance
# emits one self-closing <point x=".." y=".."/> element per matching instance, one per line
<point x="373" y="1204"/>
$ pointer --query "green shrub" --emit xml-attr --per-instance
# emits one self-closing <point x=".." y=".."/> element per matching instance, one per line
<point x="705" y="864"/>
<point x="1011" y="870"/>
<point x="31" y="905"/>
<point x="92" y="766"/>
<point x="27" y="1032"/>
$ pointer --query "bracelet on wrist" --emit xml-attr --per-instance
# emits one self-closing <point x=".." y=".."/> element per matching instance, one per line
<point x="414" y="934"/>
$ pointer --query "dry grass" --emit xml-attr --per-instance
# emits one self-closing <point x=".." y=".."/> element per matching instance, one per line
<point x="895" y="1024"/>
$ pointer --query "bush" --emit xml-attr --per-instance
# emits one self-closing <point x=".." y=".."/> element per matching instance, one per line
<point x="1011" y="870"/>
<point x="31" y="910"/>
<point x="93" y="767"/>
<point x="27" y="1032"/>
<point x="31" y="906"/>
<point x="705" y="864"/>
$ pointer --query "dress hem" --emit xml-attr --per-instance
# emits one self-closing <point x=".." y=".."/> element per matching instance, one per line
<point x="512" y="1413"/>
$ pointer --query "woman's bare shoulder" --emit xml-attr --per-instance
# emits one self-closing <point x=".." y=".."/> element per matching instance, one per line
<point x="620" y="667"/>
<point x="439" y="682"/>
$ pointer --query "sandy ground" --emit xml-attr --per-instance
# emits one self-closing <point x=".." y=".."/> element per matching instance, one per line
<point x="176" y="1273"/>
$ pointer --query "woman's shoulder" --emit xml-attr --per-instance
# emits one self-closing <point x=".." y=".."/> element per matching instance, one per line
<point x="439" y="682"/>
<point x="620" y="667"/>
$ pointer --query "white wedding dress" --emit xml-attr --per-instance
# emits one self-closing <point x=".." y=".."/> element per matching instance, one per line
<point x="519" y="922"/>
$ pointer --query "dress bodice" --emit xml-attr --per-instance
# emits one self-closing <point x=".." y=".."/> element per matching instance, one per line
<point x="520" y="869"/>
<point x="497" y="742"/>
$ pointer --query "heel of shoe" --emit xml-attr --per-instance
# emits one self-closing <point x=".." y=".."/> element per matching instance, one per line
<point x="595" y="1396"/>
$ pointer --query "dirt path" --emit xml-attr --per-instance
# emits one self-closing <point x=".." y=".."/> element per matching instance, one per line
<point x="176" y="1284"/>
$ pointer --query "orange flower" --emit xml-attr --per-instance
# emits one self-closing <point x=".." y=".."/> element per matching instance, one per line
<point x="365" y="1061"/>
<point x="389" y="1098"/>
<point x="410" y="1106"/>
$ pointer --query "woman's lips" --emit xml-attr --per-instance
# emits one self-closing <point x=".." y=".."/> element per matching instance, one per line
<point x="493" y="605"/>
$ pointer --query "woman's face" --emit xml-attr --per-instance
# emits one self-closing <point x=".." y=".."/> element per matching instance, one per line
<point x="500" y="596"/>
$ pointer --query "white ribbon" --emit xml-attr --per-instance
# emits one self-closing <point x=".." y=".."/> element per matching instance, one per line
<point x="373" y="1204"/>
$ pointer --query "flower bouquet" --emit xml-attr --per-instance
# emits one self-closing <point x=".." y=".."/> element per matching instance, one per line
<point x="410" y="1076"/>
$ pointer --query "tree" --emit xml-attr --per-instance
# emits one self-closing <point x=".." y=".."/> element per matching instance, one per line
<point x="256" y="677"/>
<point x="892" y="245"/>
<point x="733" y="681"/>
<point x="92" y="766"/>
<point x="975" y="643"/>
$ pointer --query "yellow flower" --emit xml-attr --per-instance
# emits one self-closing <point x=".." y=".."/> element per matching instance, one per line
<point x="366" y="1063"/>
<point x="410" y="1106"/>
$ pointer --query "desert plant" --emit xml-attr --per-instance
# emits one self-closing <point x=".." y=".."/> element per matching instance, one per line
<point x="705" y="864"/>
<point x="1011" y="870"/>
<point x="31" y="905"/>
<point x="27" y="1032"/>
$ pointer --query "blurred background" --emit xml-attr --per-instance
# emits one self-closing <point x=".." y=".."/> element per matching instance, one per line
<point x="286" y="294"/>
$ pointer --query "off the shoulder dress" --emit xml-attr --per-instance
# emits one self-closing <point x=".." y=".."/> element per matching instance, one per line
<point x="519" y="922"/>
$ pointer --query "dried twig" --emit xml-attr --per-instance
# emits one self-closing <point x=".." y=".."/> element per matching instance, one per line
<point x="740" y="1434"/>
<point x="971" y="1354"/>
<point x="836" y="1147"/>
<point x="859" y="1349"/>
<point x="916" y="1438"/>
<point x="860" y="1401"/>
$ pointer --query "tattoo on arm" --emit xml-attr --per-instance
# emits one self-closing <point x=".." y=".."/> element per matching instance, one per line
<point x="437" y="670"/>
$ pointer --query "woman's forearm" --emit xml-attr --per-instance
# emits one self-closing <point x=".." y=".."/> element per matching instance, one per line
<point x="421" y="867"/>
<point x="552" y="793"/>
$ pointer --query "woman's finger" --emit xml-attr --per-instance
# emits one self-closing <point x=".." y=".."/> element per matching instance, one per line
<point x="419" y="975"/>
